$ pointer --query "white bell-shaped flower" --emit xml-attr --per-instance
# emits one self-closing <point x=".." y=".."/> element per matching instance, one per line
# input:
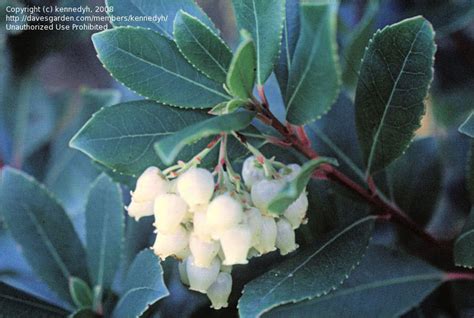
<point x="201" y="227"/>
<point x="252" y="171"/>
<point x="203" y="251"/>
<point x="285" y="240"/>
<point x="150" y="184"/>
<point x="183" y="275"/>
<point x="296" y="212"/>
<point x="223" y="213"/>
<point x="254" y="220"/>
<point x="196" y="186"/>
<point x="138" y="210"/>
<point x="268" y="235"/>
<point x="236" y="243"/>
<point x="265" y="191"/>
<point x="183" y="254"/>
<point x="290" y="172"/>
<point x="219" y="291"/>
<point x="200" y="278"/>
<point x="170" y="210"/>
<point x="171" y="244"/>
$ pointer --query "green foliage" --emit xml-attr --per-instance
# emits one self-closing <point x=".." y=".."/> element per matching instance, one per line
<point x="104" y="231"/>
<point x="167" y="9"/>
<point x="306" y="275"/>
<point x="202" y="47"/>
<point x="151" y="65"/>
<point x="451" y="108"/>
<point x="295" y="187"/>
<point x="394" y="79"/>
<point x="84" y="313"/>
<point x="467" y="127"/>
<point x="170" y="146"/>
<point x="464" y="245"/>
<point x="241" y="77"/>
<point x="142" y="287"/>
<point x="264" y="20"/>
<point x="227" y="107"/>
<point x="313" y="82"/>
<point x="81" y="294"/>
<point x="387" y="283"/>
<point x="40" y="226"/>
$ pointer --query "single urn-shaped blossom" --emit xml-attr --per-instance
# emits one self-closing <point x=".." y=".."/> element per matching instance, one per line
<point x="149" y="185"/>
<point x="223" y="213"/>
<point x="290" y="172"/>
<point x="203" y="252"/>
<point x="265" y="191"/>
<point x="170" y="210"/>
<point x="268" y="234"/>
<point x="138" y="210"/>
<point x="236" y="243"/>
<point x="252" y="171"/>
<point x="171" y="244"/>
<point x="254" y="221"/>
<point x="201" y="278"/>
<point x="201" y="227"/>
<point x="285" y="240"/>
<point x="296" y="212"/>
<point x="219" y="291"/>
<point x="196" y="186"/>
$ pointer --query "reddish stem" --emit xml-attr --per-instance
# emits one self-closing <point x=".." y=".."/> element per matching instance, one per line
<point x="458" y="276"/>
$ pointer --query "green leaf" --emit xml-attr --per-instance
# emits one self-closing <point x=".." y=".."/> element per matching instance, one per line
<point x="104" y="231"/>
<point x="80" y="292"/>
<point x="387" y="283"/>
<point x="157" y="8"/>
<point x="356" y="43"/>
<point x="264" y="20"/>
<point x="152" y="65"/>
<point x="202" y="47"/>
<point x="416" y="179"/>
<point x="291" y="30"/>
<point x="84" y="313"/>
<point x="169" y="147"/>
<point x="227" y="107"/>
<point x="467" y="127"/>
<point x="40" y="226"/>
<point x="313" y="82"/>
<point x="143" y="286"/>
<point x="450" y="108"/>
<point x="310" y="273"/>
<point x="293" y="189"/>
<point x="121" y="137"/>
<point x="15" y="303"/>
<point x="394" y="79"/>
<point x="464" y="245"/>
<point x="241" y="75"/>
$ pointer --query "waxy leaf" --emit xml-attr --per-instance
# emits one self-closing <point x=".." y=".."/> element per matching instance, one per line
<point x="467" y="127"/>
<point x="264" y="20"/>
<point x="121" y="137"/>
<point x="241" y="75"/>
<point x="294" y="188"/>
<point x="310" y="273"/>
<point x="227" y="107"/>
<point x="162" y="13"/>
<point x="15" y="303"/>
<point x="84" y="313"/>
<point x="464" y="245"/>
<point x="313" y="82"/>
<point x="104" y="231"/>
<point x="143" y="286"/>
<point x="81" y="293"/>
<point x="291" y="29"/>
<point x="386" y="284"/>
<point x="394" y="79"/>
<point x="204" y="49"/>
<point x="169" y="147"/>
<point x="151" y="64"/>
<point x="40" y="226"/>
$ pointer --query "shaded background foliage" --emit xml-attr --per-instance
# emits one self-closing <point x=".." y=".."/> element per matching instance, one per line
<point x="44" y="100"/>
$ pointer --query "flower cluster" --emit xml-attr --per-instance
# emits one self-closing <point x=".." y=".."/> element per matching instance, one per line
<point x="210" y="228"/>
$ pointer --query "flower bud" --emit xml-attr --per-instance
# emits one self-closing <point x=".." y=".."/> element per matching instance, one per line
<point x="252" y="171"/>
<point x="183" y="276"/>
<point x="200" y="278"/>
<point x="171" y="244"/>
<point x="236" y="243"/>
<point x="138" y="210"/>
<point x="200" y="225"/>
<point x="285" y="240"/>
<point x="293" y="168"/>
<point x="296" y="212"/>
<point x="170" y="211"/>
<point x="196" y="186"/>
<point x="254" y="220"/>
<point x="219" y="291"/>
<point x="149" y="185"/>
<point x="268" y="235"/>
<point x="265" y="191"/>
<point x="203" y="251"/>
<point x="223" y="213"/>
